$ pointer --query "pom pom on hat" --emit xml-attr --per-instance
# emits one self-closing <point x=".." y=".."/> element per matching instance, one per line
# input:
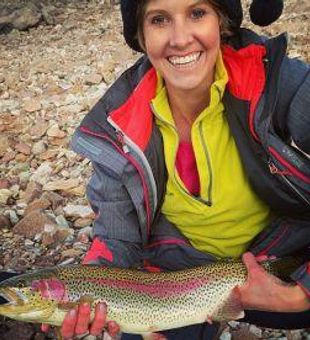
<point x="265" y="12"/>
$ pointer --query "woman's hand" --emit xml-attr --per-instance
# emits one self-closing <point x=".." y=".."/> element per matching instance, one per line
<point x="77" y="322"/>
<point x="266" y="292"/>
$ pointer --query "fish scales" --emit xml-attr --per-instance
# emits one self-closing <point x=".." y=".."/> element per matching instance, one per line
<point x="140" y="302"/>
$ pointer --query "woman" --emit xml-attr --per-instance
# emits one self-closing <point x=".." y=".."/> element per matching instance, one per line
<point x="200" y="152"/>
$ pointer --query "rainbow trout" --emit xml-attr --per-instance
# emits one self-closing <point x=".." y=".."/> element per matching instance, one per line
<point x="140" y="302"/>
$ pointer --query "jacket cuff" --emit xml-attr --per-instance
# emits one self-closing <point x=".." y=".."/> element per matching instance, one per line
<point x="97" y="252"/>
<point x="302" y="277"/>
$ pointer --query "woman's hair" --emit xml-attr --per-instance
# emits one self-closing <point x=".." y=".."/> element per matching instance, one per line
<point x="226" y="29"/>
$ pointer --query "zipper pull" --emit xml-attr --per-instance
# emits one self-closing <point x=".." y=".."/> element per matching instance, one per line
<point x="274" y="170"/>
<point x="120" y="138"/>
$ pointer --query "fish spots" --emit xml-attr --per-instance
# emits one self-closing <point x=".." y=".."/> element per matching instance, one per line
<point x="156" y="289"/>
<point x="50" y="288"/>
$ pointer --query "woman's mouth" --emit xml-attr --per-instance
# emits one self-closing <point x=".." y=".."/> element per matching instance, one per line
<point x="185" y="61"/>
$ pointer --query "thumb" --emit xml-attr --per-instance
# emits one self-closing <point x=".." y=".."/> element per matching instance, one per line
<point x="251" y="263"/>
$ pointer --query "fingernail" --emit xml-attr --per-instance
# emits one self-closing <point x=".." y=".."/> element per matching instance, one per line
<point x="102" y="307"/>
<point x="72" y="312"/>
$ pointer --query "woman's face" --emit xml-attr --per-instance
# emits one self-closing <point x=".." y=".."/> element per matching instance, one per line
<point x="182" y="41"/>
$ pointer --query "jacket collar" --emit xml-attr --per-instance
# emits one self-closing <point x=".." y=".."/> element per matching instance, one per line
<point x="127" y="102"/>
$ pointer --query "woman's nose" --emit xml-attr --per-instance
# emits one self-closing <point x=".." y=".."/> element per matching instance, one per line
<point x="181" y="34"/>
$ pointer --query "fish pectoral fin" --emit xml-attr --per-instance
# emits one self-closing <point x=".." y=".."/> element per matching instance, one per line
<point x="233" y="308"/>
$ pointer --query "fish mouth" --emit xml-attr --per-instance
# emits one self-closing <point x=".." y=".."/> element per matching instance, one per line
<point x="4" y="301"/>
<point x="11" y="297"/>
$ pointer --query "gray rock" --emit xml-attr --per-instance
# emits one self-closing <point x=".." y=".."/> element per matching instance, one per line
<point x="225" y="336"/>
<point x="61" y="221"/>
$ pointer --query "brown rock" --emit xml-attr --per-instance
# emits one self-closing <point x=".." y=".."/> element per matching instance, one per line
<point x="5" y="194"/>
<point x="47" y="239"/>
<point x="4" y="183"/>
<point x="9" y="156"/>
<point x="23" y="148"/>
<point x="38" y="148"/>
<point x="32" y="224"/>
<point x="32" y="105"/>
<point x="83" y="222"/>
<point x="62" y="184"/>
<point x="71" y="253"/>
<point x="21" y="158"/>
<point x="243" y="333"/>
<point x="83" y="238"/>
<point x="55" y="236"/>
<point x="54" y="131"/>
<point x="26" y="17"/>
<point x="79" y="211"/>
<point x="58" y="141"/>
<point x="33" y="190"/>
<point x="55" y="199"/>
<point x="49" y="154"/>
<point x="93" y="79"/>
<point x="5" y="222"/>
<point x="61" y="234"/>
<point x="78" y="191"/>
<point x="37" y="204"/>
<point x="4" y="145"/>
<point x="39" y="129"/>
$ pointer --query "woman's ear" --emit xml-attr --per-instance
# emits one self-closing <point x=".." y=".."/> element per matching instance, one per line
<point x="265" y="12"/>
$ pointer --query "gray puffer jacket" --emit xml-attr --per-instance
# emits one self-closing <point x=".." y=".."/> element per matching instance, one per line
<point x="267" y="104"/>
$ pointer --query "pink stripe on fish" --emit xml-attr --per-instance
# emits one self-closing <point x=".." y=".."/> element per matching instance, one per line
<point x="161" y="290"/>
<point x="50" y="288"/>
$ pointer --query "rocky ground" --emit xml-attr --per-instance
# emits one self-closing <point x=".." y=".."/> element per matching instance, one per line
<point x="50" y="76"/>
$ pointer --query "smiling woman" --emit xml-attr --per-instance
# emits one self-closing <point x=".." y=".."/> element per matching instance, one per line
<point x="226" y="26"/>
<point x="182" y="41"/>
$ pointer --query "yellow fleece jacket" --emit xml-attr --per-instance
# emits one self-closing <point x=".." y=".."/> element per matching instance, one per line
<point x="227" y="215"/>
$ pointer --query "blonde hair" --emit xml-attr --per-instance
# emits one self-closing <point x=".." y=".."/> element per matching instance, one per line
<point x="225" y="23"/>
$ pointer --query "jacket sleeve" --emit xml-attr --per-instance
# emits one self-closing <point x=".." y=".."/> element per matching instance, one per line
<point x="302" y="277"/>
<point x="117" y="240"/>
<point x="294" y="102"/>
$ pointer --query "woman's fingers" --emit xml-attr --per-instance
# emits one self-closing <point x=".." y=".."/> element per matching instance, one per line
<point x="113" y="328"/>
<point x="45" y="328"/>
<point x="77" y="322"/>
<point x="83" y="319"/>
<point x="68" y="325"/>
<point x="99" y="319"/>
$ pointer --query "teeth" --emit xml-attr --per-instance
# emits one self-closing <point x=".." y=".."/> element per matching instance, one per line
<point x="184" y="60"/>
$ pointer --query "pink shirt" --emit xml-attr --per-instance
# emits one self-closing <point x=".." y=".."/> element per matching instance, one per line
<point x="187" y="167"/>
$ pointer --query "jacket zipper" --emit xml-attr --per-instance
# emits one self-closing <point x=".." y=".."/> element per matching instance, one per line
<point x="200" y="199"/>
<point x="123" y="150"/>
<point x="129" y="144"/>
<point x="205" y="148"/>
<point x="275" y="170"/>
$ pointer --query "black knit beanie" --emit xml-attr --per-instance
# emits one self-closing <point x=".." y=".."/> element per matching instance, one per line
<point x="262" y="13"/>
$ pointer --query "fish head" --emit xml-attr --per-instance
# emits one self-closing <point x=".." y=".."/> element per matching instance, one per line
<point x="32" y="297"/>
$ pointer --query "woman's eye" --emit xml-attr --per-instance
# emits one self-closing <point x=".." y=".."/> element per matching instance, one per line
<point x="158" y="20"/>
<point x="198" y="13"/>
